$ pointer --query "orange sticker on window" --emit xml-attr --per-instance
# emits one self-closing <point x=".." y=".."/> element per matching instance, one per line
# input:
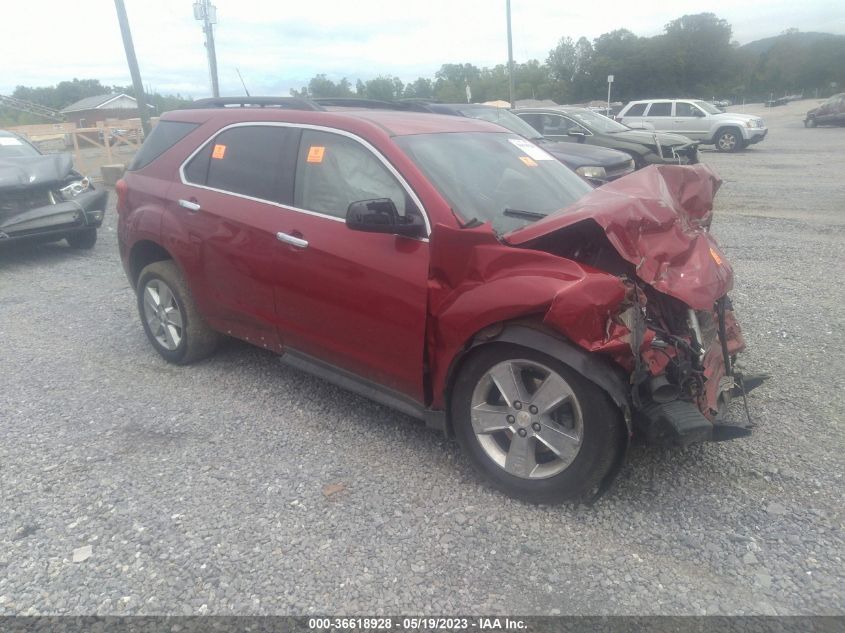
<point x="715" y="256"/>
<point x="528" y="161"/>
<point x="315" y="154"/>
<point x="218" y="152"/>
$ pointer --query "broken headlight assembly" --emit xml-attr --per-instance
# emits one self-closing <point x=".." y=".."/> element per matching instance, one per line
<point x="74" y="188"/>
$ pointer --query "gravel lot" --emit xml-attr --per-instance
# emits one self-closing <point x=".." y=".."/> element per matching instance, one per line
<point x="204" y="489"/>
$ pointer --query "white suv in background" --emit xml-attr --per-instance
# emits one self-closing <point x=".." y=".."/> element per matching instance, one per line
<point x="699" y="120"/>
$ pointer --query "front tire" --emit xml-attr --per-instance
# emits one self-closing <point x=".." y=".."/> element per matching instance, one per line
<point x="729" y="139"/>
<point x="170" y="317"/>
<point x="534" y="427"/>
<point x="82" y="240"/>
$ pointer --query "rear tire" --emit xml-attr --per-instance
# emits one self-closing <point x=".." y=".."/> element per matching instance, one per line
<point x="170" y="317"/>
<point x="82" y="240"/>
<point x="558" y="443"/>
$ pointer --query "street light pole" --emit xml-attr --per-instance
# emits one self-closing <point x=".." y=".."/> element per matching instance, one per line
<point x="132" y="61"/>
<point x="510" y="57"/>
<point x="207" y="12"/>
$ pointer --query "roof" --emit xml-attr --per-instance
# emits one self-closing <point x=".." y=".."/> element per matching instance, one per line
<point x="392" y="122"/>
<point x="94" y="103"/>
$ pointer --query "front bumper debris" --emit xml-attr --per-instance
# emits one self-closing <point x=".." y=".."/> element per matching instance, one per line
<point x="52" y="220"/>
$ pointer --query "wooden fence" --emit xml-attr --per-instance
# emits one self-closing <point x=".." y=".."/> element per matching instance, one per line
<point x="92" y="146"/>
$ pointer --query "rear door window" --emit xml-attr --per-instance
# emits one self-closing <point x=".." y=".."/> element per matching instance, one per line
<point x="255" y="161"/>
<point x="333" y="170"/>
<point x="661" y="108"/>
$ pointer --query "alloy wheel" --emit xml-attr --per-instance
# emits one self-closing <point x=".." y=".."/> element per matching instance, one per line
<point x="527" y="419"/>
<point x="727" y="141"/>
<point x="162" y="313"/>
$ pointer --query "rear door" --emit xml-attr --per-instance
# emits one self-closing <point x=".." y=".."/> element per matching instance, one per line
<point x="227" y="208"/>
<point x="354" y="300"/>
<point x="659" y="114"/>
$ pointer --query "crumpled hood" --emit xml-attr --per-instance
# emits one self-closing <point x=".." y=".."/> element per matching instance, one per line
<point x="657" y="219"/>
<point x="34" y="171"/>
<point x="646" y="137"/>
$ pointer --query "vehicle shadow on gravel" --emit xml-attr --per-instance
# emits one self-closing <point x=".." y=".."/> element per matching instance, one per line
<point x="648" y="476"/>
<point x="12" y="254"/>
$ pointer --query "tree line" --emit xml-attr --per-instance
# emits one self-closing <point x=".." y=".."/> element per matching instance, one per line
<point x="695" y="56"/>
<point x="65" y="93"/>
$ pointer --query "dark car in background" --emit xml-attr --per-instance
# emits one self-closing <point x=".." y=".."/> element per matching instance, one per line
<point x="831" y="112"/>
<point x="597" y="165"/>
<point x="43" y="198"/>
<point x="580" y="125"/>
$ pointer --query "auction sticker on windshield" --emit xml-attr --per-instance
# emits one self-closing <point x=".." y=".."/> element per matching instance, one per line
<point x="532" y="150"/>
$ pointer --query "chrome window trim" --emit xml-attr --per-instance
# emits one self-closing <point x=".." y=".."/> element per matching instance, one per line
<point x="307" y="126"/>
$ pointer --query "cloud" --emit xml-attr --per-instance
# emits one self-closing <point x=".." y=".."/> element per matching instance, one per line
<point x="279" y="45"/>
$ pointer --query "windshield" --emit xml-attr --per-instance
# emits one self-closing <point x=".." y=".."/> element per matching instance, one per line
<point x="13" y="147"/>
<point x="501" y="178"/>
<point x="596" y="122"/>
<point x="709" y="108"/>
<point x="502" y="117"/>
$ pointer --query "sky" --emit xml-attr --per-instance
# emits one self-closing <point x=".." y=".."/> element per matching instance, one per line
<point x="279" y="45"/>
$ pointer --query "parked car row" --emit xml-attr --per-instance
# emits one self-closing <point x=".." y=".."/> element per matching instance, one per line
<point x="448" y="267"/>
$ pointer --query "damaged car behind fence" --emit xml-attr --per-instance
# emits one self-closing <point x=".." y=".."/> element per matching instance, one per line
<point x="43" y="199"/>
<point x="445" y="267"/>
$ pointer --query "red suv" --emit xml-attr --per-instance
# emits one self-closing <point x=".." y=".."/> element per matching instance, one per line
<point x="447" y="268"/>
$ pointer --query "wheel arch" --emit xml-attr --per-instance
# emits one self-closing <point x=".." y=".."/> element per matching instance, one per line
<point x="727" y="126"/>
<point x="142" y="254"/>
<point x="536" y="336"/>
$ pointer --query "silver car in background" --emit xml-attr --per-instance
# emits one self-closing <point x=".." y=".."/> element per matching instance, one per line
<point x="696" y="119"/>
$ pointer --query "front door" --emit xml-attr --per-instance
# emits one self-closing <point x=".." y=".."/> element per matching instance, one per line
<point x="690" y="121"/>
<point x="352" y="299"/>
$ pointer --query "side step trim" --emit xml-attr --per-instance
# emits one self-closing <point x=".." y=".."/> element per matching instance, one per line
<point x="356" y="384"/>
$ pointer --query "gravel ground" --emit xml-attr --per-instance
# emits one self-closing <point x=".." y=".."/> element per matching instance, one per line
<point x="239" y="486"/>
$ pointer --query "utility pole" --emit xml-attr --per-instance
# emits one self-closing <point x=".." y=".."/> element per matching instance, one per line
<point x="510" y="57"/>
<point x="141" y="98"/>
<point x="207" y="12"/>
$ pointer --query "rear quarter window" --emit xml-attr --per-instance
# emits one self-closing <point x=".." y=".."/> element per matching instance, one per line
<point x="638" y="109"/>
<point x="164" y="136"/>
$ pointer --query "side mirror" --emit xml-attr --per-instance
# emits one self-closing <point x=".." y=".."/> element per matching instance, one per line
<point x="380" y="216"/>
<point x="579" y="135"/>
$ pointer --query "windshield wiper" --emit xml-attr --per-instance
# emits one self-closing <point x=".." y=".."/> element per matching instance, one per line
<point x="519" y="213"/>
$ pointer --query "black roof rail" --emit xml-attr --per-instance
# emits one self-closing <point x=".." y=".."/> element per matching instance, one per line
<point x="285" y="103"/>
<point x="356" y="102"/>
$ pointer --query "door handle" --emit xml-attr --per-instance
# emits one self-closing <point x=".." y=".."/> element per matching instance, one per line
<point x="292" y="240"/>
<point x="191" y="206"/>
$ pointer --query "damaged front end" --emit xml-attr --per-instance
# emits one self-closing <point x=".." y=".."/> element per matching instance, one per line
<point x="43" y="198"/>
<point x="673" y="329"/>
<point x="629" y="279"/>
